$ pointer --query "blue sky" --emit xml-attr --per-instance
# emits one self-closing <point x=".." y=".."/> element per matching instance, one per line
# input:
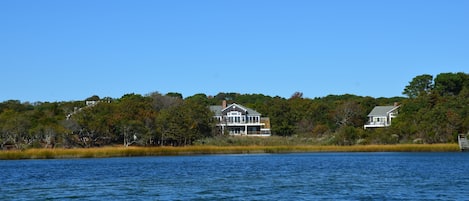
<point x="71" y="50"/>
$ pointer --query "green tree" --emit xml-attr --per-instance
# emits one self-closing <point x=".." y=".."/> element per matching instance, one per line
<point x="183" y="124"/>
<point x="174" y="94"/>
<point x="279" y="112"/>
<point x="46" y="129"/>
<point x="200" y="98"/>
<point x="435" y="116"/>
<point x="15" y="105"/>
<point x="420" y="85"/>
<point x="200" y="119"/>
<point x="451" y="84"/>
<point x="301" y="113"/>
<point x="135" y="118"/>
<point x="14" y="127"/>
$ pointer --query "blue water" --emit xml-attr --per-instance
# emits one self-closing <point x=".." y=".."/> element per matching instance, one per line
<point x="310" y="176"/>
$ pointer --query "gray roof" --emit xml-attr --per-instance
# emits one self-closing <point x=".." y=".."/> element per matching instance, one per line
<point x="217" y="109"/>
<point x="381" y="111"/>
<point x="250" y="111"/>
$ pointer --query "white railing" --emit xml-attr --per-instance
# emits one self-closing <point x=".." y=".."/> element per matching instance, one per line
<point x="376" y="123"/>
<point x="240" y="122"/>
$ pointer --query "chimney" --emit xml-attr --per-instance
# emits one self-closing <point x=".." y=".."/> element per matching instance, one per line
<point x="223" y="104"/>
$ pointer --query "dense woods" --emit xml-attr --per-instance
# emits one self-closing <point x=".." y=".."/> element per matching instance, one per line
<point x="434" y="110"/>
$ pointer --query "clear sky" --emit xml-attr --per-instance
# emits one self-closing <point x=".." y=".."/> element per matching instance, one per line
<point x="66" y="50"/>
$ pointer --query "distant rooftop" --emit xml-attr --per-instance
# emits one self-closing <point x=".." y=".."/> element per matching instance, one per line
<point x="381" y="110"/>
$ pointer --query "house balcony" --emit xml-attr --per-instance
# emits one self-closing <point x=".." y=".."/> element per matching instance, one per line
<point x="241" y="123"/>
<point x="375" y="125"/>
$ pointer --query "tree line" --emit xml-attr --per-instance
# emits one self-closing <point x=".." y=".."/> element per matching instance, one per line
<point x="434" y="110"/>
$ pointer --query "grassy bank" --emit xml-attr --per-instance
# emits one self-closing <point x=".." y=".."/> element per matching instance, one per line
<point x="195" y="150"/>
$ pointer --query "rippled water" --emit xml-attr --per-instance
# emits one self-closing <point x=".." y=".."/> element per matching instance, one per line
<point x="311" y="176"/>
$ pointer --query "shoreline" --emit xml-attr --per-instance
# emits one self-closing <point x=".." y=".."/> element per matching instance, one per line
<point x="108" y="152"/>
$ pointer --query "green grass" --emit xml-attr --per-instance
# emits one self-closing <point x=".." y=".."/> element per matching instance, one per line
<point x="208" y="149"/>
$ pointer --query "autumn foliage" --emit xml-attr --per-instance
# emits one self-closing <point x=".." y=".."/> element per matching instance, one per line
<point x="434" y="110"/>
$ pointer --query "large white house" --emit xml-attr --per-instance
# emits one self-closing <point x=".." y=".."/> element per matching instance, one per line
<point x="381" y="116"/>
<point x="236" y="119"/>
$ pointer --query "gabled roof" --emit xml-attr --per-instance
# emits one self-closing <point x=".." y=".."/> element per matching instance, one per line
<point x="382" y="110"/>
<point x="234" y="105"/>
<point x="218" y="110"/>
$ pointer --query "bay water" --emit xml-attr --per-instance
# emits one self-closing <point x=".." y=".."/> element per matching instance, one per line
<point x="299" y="176"/>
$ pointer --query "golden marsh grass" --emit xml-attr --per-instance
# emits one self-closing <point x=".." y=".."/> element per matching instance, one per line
<point x="196" y="150"/>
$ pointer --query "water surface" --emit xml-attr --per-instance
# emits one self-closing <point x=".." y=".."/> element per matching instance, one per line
<point x="309" y="176"/>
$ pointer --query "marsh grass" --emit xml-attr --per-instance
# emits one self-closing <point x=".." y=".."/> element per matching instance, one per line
<point x="256" y="141"/>
<point x="208" y="149"/>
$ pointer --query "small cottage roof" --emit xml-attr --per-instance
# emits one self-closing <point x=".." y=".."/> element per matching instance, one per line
<point x="381" y="110"/>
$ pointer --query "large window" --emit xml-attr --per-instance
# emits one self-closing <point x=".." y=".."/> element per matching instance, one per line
<point x="235" y="117"/>
<point x="252" y="119"/>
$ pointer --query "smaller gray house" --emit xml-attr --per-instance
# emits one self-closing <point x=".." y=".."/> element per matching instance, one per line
<point x="381" y="116"/>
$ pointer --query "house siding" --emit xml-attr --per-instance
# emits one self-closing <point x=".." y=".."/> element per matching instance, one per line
<point x="381" y="116"/>
<point x="236" y="119"/>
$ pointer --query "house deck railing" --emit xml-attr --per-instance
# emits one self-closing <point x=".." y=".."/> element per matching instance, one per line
<point x="240" y="123"/>
<point x="376" y="123"/>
